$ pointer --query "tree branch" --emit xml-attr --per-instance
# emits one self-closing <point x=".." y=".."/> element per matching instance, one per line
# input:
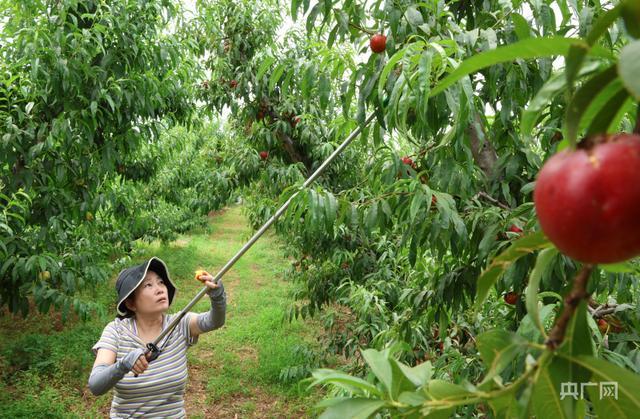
<point x="484" y="154"/>
<point x="571" y="301"/>
<point x="290" y="148"/>
<point x="493" y="200"/>
<point x="368" y="32"/>
<point x="602" y="310"/>
<point x="288" y="143"/>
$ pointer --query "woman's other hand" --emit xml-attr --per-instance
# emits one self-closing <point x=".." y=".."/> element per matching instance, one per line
<point x="135" y="361"/>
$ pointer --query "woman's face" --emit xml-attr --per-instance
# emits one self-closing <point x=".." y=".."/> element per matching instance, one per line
<point x="151" y="296"/>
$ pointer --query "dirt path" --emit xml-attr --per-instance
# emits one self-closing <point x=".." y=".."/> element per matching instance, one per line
<point x="234" y="371"/>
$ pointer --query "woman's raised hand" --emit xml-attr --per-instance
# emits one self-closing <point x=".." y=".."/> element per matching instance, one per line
<point x="206" y="278"/>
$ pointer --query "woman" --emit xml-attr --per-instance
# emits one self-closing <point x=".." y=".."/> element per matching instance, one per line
<point x="141" y="387"/>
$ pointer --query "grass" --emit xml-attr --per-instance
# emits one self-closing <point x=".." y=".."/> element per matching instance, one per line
<point x="233" y="370"/>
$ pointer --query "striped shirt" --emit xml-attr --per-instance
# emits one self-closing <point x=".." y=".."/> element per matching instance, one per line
<point x="159" y="390"/>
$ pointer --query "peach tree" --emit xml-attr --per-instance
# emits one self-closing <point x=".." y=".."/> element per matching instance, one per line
<point x="474" y="87"/>
<point x="83" y="85"/>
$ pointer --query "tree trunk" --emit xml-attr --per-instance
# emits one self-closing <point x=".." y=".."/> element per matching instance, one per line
<point x="484" y="154"/>
<point x="294" y="154"/>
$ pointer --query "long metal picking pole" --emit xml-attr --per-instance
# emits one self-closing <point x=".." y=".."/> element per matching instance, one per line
<point x="260" y="232"/>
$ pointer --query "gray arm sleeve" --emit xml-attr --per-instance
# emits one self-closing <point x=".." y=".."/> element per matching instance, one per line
<point x="103" y="376"/>
<point x="214" y="318"/>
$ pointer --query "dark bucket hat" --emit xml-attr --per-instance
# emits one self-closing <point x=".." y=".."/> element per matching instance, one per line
<point x="129" y="279"/>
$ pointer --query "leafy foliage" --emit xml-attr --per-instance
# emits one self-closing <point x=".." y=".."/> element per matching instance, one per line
<point x="470" y="100"/>
<point x="89" y="89"/>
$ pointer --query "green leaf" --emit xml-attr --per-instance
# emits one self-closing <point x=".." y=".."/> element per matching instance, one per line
<point x="413" y="249"/>
<point x="545" y="95"/>
<point x="575" y="58"/>
<point x="444" y="390"/>
<point x="380" y="366"/>
<point x="372" y="216"/>
<point x="578" y="337"/>
<point x="627" y="404"/>
<point x="564" y="10"/>
<point x="580" y="410"/>
<point x="505" y="406"/>
<point x="399" y="383"/>
<point x="601" y="123"/>
<point x="332" y="35"/>
<point x="577" y="341"/>
<point x="521" y="247"/>
<point x="294" y="9"/>
<point x="424" y="76"/>
<point x="307" y="81"/>
<point x="528" y="48"/>
<point x="622" y="267"/>
<point x="366" y="91"/>
<point x="356" y="408"/>
<point x="412" y="398"/>
<point x="418" y="198"/>
<point x="583" y="98"/>
<point x="324" y="90"/>
<point x="386" y="209"/>
<point x="275" y="76"/>
<point x="527" y="327"/>
<point x="418" y="375"/>
<point x="631" y="16"/>
<point x="414" y="17"/>
<point x="431" y="413"/>
<point x="384" y="75"/>
<point x="497" y="349"/>
<point x="542" y="263"/>
<point x="108" y="98"/>
<point x="264" y="67"/>
<point x="546" y="391"/>
<point x="311" y="17"/>
<point x="343" y="20"/>
<point x="345" y="381"/>
<point x="521" y="26"/>
<point x="601" y="25"/>
<point x="331" y="209"/>
<point x="284" y="88"/>
<point x="599" y="102"/>
<point x="576" y="54"/>
<point x="629" y="68"/>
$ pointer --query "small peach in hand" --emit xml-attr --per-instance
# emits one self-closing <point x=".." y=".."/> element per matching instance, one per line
<point x="200" y="273"/>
